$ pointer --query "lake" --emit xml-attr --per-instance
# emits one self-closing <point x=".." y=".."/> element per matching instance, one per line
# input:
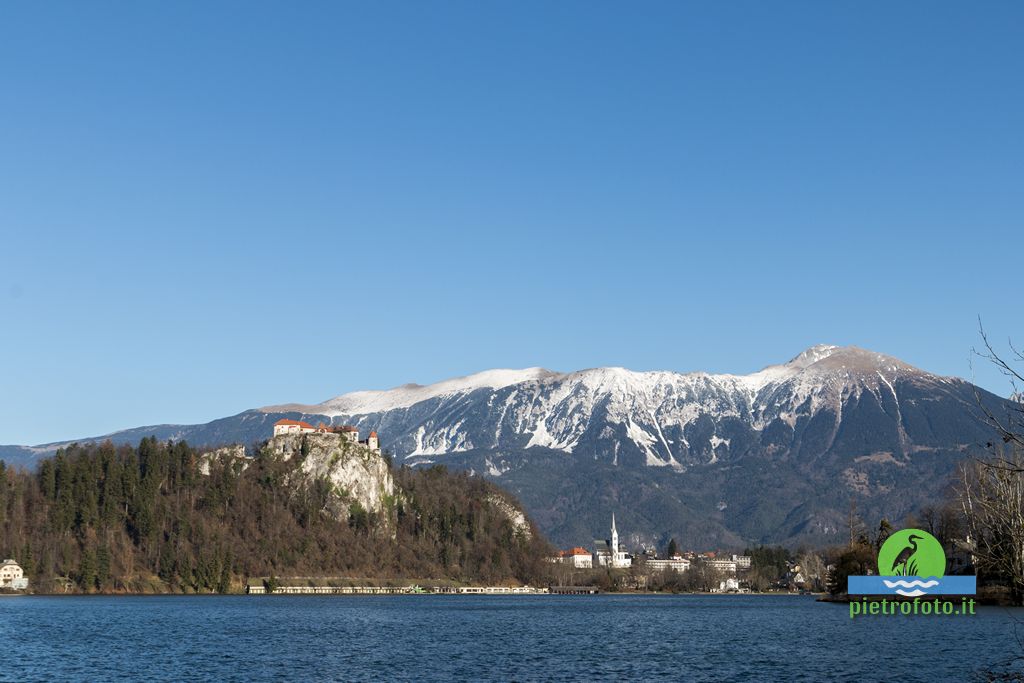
<point x="472" y="638"/>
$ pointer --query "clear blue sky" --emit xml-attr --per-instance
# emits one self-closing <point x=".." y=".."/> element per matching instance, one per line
<point x="206" y="207"/>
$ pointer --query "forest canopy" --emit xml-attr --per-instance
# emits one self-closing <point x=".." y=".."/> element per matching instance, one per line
<point x="118" y="518"/>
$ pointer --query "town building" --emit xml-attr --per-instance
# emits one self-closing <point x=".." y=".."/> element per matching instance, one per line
<point x="12" y="576"/>
<point x="730" y="585"/>
<point x="722" y="564"/>
<point x="742" y="562"/>
<point x="674" y="563"/>
<point x="608" y="553"/>
<point x="578" y="558"/>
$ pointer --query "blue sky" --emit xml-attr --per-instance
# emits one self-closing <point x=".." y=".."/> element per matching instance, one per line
<point x="206" y="207"/>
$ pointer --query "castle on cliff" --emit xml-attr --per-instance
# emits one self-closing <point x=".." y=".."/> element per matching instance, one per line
<point x="348" y="432"/>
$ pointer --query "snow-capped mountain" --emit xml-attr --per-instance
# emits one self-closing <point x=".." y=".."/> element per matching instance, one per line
<point x="659" y="419"/>
<point x="726" y="460"/>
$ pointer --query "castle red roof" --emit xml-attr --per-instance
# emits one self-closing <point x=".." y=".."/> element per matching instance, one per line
<point x="349" y="428"/>
<point x="297" y="423"/>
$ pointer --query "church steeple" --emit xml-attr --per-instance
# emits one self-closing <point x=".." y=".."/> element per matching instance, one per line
<point x="615" y="538"/>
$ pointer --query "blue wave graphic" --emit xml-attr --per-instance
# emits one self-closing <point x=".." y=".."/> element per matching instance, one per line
<point x="911" y="587"/>
<point x="918" y="583"/>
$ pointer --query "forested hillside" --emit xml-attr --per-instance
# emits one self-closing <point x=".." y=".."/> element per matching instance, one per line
<point x="118" y="518"/>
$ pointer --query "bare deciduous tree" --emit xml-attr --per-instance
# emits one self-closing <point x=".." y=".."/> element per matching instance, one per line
<point x="1009" y="425"/>
<point x="814" y="569"/>
<point x="941" y="521"/>
<point x="993" y="504"/>
<point x="991" y="491"/>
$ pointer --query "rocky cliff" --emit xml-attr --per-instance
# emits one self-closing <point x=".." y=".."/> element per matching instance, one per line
<point x="356" y="473"/>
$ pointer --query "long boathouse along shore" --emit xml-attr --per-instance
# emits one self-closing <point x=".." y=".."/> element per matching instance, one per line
<point x="324" y="586"/>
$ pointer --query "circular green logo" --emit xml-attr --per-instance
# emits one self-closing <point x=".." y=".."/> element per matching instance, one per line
<point x="911" y="552"/>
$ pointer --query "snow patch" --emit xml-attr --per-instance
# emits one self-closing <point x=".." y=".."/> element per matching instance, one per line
<point x="364" y="402"/>
<point x="640" y="437"/>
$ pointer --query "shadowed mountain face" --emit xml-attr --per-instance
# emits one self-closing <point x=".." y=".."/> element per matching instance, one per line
<point x="775" y="456"/>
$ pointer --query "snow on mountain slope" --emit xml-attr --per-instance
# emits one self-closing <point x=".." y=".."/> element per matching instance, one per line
<point x="828" y="401"/>
<point x="409" y="394"/>
<point x="651" y="418"/>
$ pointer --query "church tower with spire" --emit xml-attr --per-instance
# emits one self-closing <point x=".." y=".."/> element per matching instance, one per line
<point x="608" y="553"/>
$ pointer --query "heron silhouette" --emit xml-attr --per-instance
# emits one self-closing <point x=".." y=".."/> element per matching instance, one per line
<point x="904" y="564"/>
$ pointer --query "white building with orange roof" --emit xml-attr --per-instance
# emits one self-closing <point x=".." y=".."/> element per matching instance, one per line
<point x="372" y="442"/>
<point x="579" y="558"/>
<point x="286" y="426"/>
<point x="349" y="433"/>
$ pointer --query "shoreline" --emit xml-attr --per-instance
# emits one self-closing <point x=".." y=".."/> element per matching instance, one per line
<point x="128" y="594"/>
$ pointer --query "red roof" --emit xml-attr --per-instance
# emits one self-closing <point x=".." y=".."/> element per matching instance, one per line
<point x="575" y="551"/>
<point x="373" y="435"/>
<point x="297" y="423"/>
<point x="349" y="428"/>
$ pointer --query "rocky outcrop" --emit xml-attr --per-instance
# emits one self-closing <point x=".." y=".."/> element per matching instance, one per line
<point x="356" y="473"/>
<point x="234" y="453"/>
<point x="514" y="514"/>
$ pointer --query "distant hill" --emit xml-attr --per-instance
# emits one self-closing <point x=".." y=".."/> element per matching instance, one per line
<point x="773" y="456"/>
<point x="23" y="456"/>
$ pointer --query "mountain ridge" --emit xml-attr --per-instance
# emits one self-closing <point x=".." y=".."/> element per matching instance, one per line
<point x="831" y="425"/>
<point x="500" y="378"/>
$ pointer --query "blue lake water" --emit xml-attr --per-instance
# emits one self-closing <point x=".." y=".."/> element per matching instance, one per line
<point x="473" y="638"/>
